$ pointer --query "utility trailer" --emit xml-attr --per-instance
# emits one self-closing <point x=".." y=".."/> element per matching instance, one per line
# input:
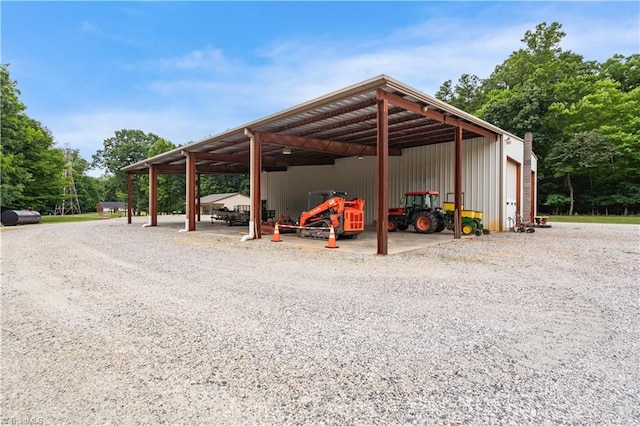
<point x="238" y="216"/>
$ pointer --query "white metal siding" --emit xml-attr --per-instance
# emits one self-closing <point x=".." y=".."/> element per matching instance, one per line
<point x="429" y="167"/>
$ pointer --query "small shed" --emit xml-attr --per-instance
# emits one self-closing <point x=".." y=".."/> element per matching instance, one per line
<point x="220" y="201"/>
<point x="110" y="207"/>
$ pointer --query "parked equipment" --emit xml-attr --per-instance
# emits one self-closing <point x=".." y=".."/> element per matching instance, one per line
<point x="20" y="217"/>
<point x="471" y="220"/>
<point x="418" y="209"/>
<point x="329" y="208"/>
<point x="422" y="210"/>
<point x="518" y="224"/>
<point x="238" y="216"/>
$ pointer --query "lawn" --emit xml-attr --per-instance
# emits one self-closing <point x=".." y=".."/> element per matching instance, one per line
<point x="621" y="220"/>
<point x="75" y="217"/>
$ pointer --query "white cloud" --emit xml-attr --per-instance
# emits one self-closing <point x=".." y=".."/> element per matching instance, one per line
<point x="88" y="26"/>
<point x="206" y="59"/>
<point x="86" y="131"/>
<point x="206" y="91"/>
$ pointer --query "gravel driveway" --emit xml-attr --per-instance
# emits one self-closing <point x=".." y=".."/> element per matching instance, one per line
<point x="109" y="323"/>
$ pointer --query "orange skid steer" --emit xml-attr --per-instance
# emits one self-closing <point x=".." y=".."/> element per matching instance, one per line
<point x="331" y="208"/>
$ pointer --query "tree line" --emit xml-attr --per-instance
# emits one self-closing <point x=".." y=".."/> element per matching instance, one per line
<point x="32" y="166"/>
<point x="583" y="115"/>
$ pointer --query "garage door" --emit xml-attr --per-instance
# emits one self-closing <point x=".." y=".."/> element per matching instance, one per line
<point x="512" y="192"/>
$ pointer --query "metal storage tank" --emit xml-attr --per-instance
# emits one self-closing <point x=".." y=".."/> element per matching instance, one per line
<point x="20" y="217"/>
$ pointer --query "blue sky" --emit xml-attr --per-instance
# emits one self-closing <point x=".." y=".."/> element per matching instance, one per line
<point x="187" y="70"/>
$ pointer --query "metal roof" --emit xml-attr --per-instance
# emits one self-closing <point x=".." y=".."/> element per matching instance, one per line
<point x="346" y="118"/>
<point x="212" y="198"/>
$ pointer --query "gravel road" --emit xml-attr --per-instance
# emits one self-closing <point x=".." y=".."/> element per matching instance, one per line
<point x="109" y="323"/>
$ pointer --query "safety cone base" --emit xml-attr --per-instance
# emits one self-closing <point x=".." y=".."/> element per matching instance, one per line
<point x="332" y="240"/>
<point x="276" y="235"/>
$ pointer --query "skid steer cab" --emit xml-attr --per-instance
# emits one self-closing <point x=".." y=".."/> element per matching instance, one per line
<point x="420" y="209"/>
<point x="329" y="208"/>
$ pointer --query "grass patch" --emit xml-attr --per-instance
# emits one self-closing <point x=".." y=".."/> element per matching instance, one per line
<point x="619" y="220"/>
<point x="75" y="217"/>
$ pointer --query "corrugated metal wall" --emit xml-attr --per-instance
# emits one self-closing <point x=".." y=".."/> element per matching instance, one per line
<point x="429" y="167"/>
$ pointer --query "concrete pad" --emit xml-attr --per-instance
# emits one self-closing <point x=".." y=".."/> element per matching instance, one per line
<point x="365" y="243"/>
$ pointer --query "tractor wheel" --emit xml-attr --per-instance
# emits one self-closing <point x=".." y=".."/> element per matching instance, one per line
<point x="478" y="227"/>
<point x="441" y="222"/>
<point x="467" y="229"/>
<point x="425" y="223"/>
<point x="392" y="224"/>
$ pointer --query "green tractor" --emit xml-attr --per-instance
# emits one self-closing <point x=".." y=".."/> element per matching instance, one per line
<point x="420" y="209"/>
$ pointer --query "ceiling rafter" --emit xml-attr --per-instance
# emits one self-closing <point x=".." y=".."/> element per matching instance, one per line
<point x="436" y="115"/>
<point x="408" y="139"/>
<point x="420" y="131"/>
<point x="269" y="160"/>
<point x="349" y="122"/>
<point x="322" y="145"/>
<point x="324" y="116"/>
<point x="369" y="134"/>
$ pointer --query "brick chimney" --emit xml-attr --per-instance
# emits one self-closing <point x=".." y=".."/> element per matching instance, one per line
<point x="527" y="213"/>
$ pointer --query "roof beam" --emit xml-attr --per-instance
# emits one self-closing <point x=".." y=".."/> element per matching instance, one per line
<point x="319" y="117"/>
<point x="269" y="160"/>
<point x="200" y="168"/>
<point x="222" y="158"/>
<point x="322" y="145"/>
<point x="418" y="109"/>
<point x="345" y="123"/>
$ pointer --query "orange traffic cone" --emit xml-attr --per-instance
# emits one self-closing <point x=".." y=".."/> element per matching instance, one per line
<point x="332" y="239"/>
<point x="276" y="235"/>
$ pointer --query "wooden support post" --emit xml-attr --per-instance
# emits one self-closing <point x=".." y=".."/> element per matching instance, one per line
<point x="255" y="215"/>
<point x="191" y="190"/>
<point x="457" y="207"/>
<point x="198" y="196"/>
<point x="382" y="184"/>
<point x="153" y="195"/>
<point x="129" y="197"/>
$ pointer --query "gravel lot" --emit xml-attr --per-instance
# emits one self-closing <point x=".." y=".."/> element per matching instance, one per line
<point x="109" y="323"/>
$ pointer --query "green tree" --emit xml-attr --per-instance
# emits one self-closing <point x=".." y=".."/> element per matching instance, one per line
<point x="31" y="173"/>
<point x="521" y="89"/>
<point x="585" y="155"/>
<point x="223" y="184"/>
<point x="126" y="147"/>
<point x="171" y="188"/>
<point x="613" y="158"/>
<point x="88" y="188"/>
<point x="625" y="70"/>
<point x="467" y="94"/>
<point x="583" y="116"/>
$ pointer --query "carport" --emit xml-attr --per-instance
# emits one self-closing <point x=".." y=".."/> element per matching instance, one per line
<point x="379" y="117"/>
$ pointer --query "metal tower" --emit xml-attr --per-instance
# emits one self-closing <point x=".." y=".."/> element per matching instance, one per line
<point x="70" y="204"/>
